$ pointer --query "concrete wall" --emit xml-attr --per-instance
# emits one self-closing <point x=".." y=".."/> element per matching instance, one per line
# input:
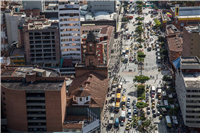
<point x="195" y="41"/>
<point x="186" y="43"/>
<point x="102" y="6"/>
<point x="15" y="108"/>
<point x="12" y="27"/>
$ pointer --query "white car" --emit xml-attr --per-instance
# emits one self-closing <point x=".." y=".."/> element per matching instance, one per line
<point x="128" y="100"/>
<point x="128" y="104"/>
<point x="158" y="113"/>
<point x="130" y="118"/>
<point x="135" y="111"/>
<point x="148" y="111"/>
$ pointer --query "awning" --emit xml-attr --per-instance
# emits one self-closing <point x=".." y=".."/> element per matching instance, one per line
<point x="176" y="63"/>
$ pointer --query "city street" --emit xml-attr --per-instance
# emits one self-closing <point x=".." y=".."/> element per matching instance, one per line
<point x="126" y="76"/>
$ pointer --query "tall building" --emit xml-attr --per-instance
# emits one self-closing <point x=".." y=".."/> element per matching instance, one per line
<point x="33" y="99"/>
<point x="187" y="89"/>
<point x="70" y="31"/>
<point x="40" y="37"/>
<point x="98" y="5"/>
<point x="191" y="39"/>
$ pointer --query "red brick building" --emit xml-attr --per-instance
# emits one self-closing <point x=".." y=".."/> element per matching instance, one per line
<point x="105" y="39"/>
<point x="32" y="99"/>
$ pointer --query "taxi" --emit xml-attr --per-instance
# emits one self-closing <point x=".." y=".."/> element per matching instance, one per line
<point x="160" y="117"/>
<point x="127" y="126"/>
<point x="147" y="90"/>
<point x="123" y="107"/>
<point x="153" y="106"/>
<point x="159" y="98"/>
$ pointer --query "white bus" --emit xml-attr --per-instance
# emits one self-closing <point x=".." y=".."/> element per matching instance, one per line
<point x="168" y="121"/>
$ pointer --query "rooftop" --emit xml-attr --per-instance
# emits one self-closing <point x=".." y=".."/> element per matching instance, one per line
<point x="95" y="84"/>
<point x="192" y="80"/>
<point x="175" y="43"/>
<point x="171" y="29"/>
<point x="189" y="61"/>
<point x="18" y="51"/>
<point x="192" y="29"/>
<point x="188" y="11"/>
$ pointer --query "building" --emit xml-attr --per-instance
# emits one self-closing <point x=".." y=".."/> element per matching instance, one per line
<point x="40" y="37"/>
<point x="98" y="5"/>
<point x="174" y="42"/>
<point x="186" y="16"/>
<point x="17" y="57"/>
<point x="33" y="99"/>
<point x="12" y="17"/>
<point x="191" y="39"/>
<point x="105" y="39"/>
<point x="70" y="31"/>
<point x="88" y="90"/>
<point x="187" y="89"/>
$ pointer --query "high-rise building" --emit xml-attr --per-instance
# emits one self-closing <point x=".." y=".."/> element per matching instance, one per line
<point x="33" y="99"/>
<point x="70" y="31"/>
<point x="191" y="39"/>
<point x="187" y="89"/>
<point x="41" y="41"/>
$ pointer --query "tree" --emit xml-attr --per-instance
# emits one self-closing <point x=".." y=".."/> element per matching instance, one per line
<point x="157" y="23"/>
<point x="171" y="101"/>
<point x="141" y="105"/>
<point x="139" y="23"/>
<point x="161" y="39"/>
<point x="141" y="92"/>
<point x="173" y="111"/>
<point x="141" y="78"/>
<point x="139" y="2"/>
<point x="140" y="40"/>
<point x="139" y="30"/>
<point x="140" y="46"/>
<point x="125" y="19"/>
<point x="147" y="126"/>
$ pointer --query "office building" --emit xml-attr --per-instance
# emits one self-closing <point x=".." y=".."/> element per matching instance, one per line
<point x="105" y="38"/>
<point x="40" y="37"/>
<point x="33" y="99"/>
<point x="17" y="57"/>
<point x="187" y="89"/>
<point x="191" y="41"/>
<point x="98" y="5"/>
<point x="70" y="31"/>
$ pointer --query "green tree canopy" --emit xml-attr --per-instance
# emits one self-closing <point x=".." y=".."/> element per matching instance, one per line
<point x="141" y="105"/>
<point x="139" y="30"/>
<point x="141" y="78"/>
<point x="139" y="2"/>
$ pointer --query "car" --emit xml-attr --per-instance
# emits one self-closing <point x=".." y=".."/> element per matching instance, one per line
<point x="147" y="90"/>
<point x="124" y="89"/>
<point x="134" y="102"/>
<point x="128" y="100"/>
<point x="152" y="95"/>
<point x="128" y="104"/>
<point x="158" y="113"/>
<point x="153" y="110"/>
<point x="153" y="106"/>
<point x="147" y="98"/>
<point x="159" y="97"/>
<point x="148" y="107"/>
<point x="135" y="107"/>
<point x="122" y="123"/>
<point x="154" y="114"/>
<point x="123" y="93"/>
<point x="123" y="107"/>
<point x="152" y="99"/>
<point x="160" y="117"/>
<point x="135" y="111"/>
<point x="135" y="115"/>
<point x="127" y="126"/>
<point x="130" y="118"/>
<point x="157" y="105"/>
<point x="147" y="94"/>
<point x="135" y="125"/>
<point x="148" y="111"/>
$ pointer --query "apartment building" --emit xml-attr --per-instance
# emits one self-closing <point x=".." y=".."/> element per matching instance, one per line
<point x="191" y="39"/>
<point x="105" y="38"/>
<point x="41" y="41"/>
<point x="70" y="31"/>
<point x="188" y="91"/>
<point x="33" y="99"/>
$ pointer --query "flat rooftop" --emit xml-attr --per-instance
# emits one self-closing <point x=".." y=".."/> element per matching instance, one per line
<point x="188" y="11"/>
<point x="192" y="29"/>
<point x="21" y="71"/>
<point x="192" y="80"/>
<point x="175" y="43"/>
<point x="190" y="60"/>
<point x="33" y="86"/>
<point x="171" y="29"/>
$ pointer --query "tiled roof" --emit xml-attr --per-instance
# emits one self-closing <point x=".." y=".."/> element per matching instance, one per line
<point x="81" y="93"/>
<point x="97" y="87"/>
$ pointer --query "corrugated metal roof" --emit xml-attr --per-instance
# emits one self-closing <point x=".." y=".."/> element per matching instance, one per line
<point x="188" y="11"/>
<point x="176" y="62"/>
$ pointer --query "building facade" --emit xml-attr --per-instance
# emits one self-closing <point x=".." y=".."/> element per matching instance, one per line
<point x="70" y="31"/>
<point x="187" y="89"/>
<point x="41" y="41"/>
<point x="98" y="5"/>
<point x="105" y="39"/>
<point x="191" y="39"/>
<point x="33" y="99"/>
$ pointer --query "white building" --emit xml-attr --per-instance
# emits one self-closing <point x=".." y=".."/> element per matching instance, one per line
<point x="188" y="90"/>
<point x="70" y="31"/>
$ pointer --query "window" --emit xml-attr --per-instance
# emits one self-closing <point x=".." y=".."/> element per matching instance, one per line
<point x="80" y="99"/>
<point x="4" y="99"/>
<point x="74" y="98"/>
<point x="86" y="98"/>
<point x="4" y="104"/>
<point x="4" y="109"/>
<point x="3" y="93"/>
<point x="191" y="52"/>
<point x="98" y="46"/>
<point x="98" y="54"/>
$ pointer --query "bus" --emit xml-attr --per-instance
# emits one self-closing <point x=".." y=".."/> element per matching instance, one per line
<point x="168" y="121"/>
<point x="118" y="97"/>
<point x="124" y="100"/>
<point x="123" y="115"/>
<point x="117" y="106"/>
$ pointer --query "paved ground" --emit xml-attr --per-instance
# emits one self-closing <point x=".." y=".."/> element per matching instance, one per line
<point x="150" y="68"/>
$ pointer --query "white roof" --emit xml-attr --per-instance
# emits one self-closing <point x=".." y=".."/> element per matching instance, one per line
<point x="102" y="15"/>
<point x="129" y="110"/>
<point x="153" y="88"/>
<point x="159" y="90"/>
<point x="123" y="113"/>
<point x="112" y="115"/>
<point x="126" y="56"/>
<point x="168" y="119"/>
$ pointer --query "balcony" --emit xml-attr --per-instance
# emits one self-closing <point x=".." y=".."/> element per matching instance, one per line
<point x="36" y="109"/>
<point x="37" y="126"/>
<point x="193" y="109"/>
<point x="36" y="115"/>
<point x="192" y="98"/>
<point x="194" y="103"/>
<point x="35" y="98"/>
<point x="35" y="104"/>
<point x="192" y="114"/>
<point x="34" y="121"/>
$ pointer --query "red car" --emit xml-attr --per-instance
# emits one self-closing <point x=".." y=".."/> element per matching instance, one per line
<point x="152" y="95"/>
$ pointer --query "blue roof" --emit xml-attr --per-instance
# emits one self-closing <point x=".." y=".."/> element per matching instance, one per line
<point x="176" y="62"/>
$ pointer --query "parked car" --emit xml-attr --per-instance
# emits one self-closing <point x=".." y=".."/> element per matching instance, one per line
<point x="158" y="113"/>
<point x="130" y="118"/>
<point x="128" y="104"/>
<point x="154" y="114"/>
<point x="122" y="123"/>
<point x="135" y="107"/>
<point x="135" y="111"/>
<point x="128" y="100"/>
<point x="134" y="102"/>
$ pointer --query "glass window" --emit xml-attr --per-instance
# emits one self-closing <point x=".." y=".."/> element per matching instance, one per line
<point x="80" y="99"/>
